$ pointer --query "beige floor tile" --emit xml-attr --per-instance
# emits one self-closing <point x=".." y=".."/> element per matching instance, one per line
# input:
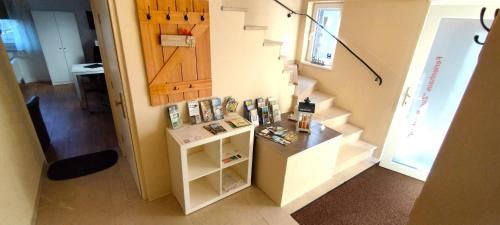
<point x="110" y="197"/>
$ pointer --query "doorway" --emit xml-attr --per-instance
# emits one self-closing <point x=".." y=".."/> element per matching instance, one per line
<point x="443" y="65"/>
<point x="81" y="96"/>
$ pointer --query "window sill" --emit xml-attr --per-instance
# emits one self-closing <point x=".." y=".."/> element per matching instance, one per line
<point x="329" y="68"/>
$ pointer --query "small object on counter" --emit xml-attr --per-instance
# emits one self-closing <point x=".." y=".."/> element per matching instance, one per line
<point x="304" y="116"/>
<point x="254" y="117"/>
<point x="264" y="115"/>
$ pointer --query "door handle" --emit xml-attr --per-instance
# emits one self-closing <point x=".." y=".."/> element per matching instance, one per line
<point x="120" y="103"/>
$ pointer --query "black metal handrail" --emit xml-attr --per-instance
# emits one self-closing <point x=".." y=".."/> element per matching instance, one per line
<point x="291" y="12"/>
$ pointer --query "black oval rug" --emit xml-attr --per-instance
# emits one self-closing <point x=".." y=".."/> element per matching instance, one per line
<point x="82" y="165"/>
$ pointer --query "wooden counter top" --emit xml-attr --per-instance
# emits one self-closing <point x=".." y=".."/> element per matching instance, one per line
<point x="304" y="140"/>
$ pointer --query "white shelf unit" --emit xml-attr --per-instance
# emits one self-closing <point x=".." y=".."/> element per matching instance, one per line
<point x="198" y="172"/>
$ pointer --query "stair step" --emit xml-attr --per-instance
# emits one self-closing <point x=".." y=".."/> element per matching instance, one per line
<point x="333" y="116"/>
<point x="323" y="101"/>
<point x="305" y="87"/>
<point x="235" y="9"/>
<point x="292" y="71"/>
<point x="352" y="154"/>
<point x="272" y="43"/>
<point x="350" y="132"/>
<point x="254" y="27"/>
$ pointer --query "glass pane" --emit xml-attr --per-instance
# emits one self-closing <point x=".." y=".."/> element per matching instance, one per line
<point x="324" y="44"/>
<point x="447" y="72"/>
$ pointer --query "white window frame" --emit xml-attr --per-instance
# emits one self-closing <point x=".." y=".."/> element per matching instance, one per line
<point x="310" y="27"/>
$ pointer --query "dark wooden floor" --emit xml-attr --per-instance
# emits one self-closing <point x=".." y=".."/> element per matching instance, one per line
<point x="73" y="131"/>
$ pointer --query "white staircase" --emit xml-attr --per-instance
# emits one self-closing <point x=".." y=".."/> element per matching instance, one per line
<point x="353" y="149"/>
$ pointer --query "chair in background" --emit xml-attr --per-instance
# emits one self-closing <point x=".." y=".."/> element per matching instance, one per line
<point x="33" y="105"/>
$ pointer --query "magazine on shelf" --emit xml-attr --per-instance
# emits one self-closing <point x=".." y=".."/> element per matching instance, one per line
<point x="248" y="104"/>
<point x="230" y="180"/>
<point x="231" y="156"/>
<point x="217" y="108"/>
<point x="206" y="110"/>
<point x="238" y="122"/>
<point x="231" y="104"/>
<point x="175" y="119"/>
<point x="194" y="112"/>
<point x="215" y="128"/>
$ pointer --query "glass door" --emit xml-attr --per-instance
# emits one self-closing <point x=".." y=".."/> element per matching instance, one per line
<point x="431" y="102"/>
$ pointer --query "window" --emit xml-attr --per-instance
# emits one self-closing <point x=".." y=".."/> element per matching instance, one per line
<point x="7" y="33"/>
<point x="320" y="45"/>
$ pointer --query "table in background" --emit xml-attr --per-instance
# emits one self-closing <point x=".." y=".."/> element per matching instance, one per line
<point x="80" y="71"/>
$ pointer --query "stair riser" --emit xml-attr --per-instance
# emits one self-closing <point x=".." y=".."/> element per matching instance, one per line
<point x="320" y="106"/>
<point x="341" y="166"/>
<point x="336" y="121"/>
<point x="302" y="93"/>
<point x="349" y="138"/>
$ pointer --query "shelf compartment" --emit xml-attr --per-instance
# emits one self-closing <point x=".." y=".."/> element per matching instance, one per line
<point x="233" y="146"/>
<point x="203" y="160"/>
<point x="234" y="177"/>
<point x="204" y="189"/>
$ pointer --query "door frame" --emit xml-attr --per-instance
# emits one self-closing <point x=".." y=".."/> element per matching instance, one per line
<point x="127" y="98"/>
<point x="439" y="9"/>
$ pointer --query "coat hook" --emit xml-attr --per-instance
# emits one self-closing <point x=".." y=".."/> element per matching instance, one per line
<point x="186" y="18"/>
<point x="148" y="15"/>
<point x="202" y="18"/>
<point x="168" y="14"/>
<point x="476" y="39"/>
<point x="483" y="11"/>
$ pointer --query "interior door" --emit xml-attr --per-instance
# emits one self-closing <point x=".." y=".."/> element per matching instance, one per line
<point x="107" y="47"/>
<point x="444" y="62"/>
<point x="70" y="39"/>
<point x="46" y="28"/>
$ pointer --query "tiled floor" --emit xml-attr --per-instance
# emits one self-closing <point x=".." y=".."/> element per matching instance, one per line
<point x="110" y="198"/>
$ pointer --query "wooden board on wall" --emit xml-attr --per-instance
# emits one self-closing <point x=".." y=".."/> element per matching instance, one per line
<point x="175" y="74"/>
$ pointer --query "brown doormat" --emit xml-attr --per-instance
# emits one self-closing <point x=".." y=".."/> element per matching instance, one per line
<point x="377" y="196"/>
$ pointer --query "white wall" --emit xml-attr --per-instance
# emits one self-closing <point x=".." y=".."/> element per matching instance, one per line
<point x="463" y="186"/>
<point x="241" y="67"/>
<point x="280" y="27"/>
<point x="21" y="156"/>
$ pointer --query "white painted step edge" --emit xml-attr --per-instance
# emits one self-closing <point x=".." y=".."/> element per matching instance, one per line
<point x="272" y="43"/>
<point x="254" y="27"/>
<point x="350" y="132"/>
<point x="354" y="153"/>
<point x="234" y="9"/>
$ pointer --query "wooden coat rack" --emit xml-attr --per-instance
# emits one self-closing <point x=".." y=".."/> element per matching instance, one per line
<point x="176" y="73"/>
